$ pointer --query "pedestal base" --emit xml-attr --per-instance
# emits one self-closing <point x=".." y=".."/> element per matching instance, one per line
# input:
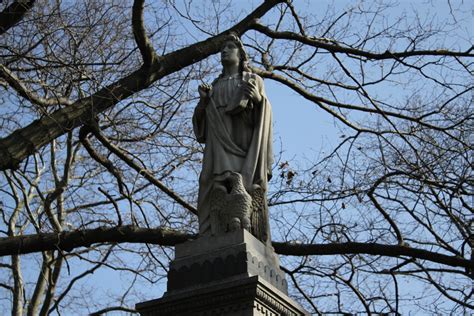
<point x="246" y="297"/>
<point x="231" y="274"/>
<point x="235" y="255"/>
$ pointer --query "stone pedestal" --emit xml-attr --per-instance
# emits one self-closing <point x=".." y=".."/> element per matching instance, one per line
<point x="232" y="274"/>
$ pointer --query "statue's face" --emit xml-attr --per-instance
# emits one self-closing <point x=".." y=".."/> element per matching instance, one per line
<point x="230" y="53"/>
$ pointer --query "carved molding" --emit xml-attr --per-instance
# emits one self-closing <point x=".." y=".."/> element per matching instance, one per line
<point x="229" y="263"/>
<point x="244" y="297"/>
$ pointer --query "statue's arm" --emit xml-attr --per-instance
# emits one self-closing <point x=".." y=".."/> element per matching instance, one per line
<point x="199" y="121"/>
<point x="268" y="117"/>
<point x="257" y="91"/>
<point x="260" y="87"/>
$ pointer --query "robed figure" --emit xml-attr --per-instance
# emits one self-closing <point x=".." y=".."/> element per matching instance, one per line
<point x="234" y="120"/>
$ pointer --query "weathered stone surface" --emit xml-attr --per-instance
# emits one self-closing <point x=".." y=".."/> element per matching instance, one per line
<point x="234" y="255"/>
<point x="231" y="269"/>
<point x="231" y="274"/>
<point x="234" y="120"/>
<point x="231" y="204"/>
<point x="245" y="297"/>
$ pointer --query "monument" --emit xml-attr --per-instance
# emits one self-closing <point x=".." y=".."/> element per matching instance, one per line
<point x="231" y="269"/>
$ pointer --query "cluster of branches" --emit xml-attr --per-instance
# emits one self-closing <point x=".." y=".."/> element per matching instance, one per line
<point x="99" y="168"/>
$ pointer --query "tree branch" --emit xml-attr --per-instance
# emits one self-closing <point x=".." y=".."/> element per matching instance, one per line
<point x="26" y="93"/>
<point x="335" y="47"/>
<point x="83" y="133"/>
<point x="143" y="42"/>
<point x="114" y="308"/>
<point x="13" y="14"/>
<point x="141" y="170"/>
<point x="296" y="17"/>
<point x="322" y="101"/>
<point x="69" y="240"/>
<point x="26" y="141"/>
<point x="371" y="249"/>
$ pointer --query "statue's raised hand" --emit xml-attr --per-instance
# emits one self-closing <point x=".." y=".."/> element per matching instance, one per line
<point x="204" y="91"/>
<point x="251" y="91"/>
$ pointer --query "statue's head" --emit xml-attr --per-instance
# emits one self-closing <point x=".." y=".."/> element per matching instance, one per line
<point x="233" y="52"/>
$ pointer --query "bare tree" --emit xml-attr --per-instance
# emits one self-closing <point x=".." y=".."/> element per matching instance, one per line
<point x="99" y="166"/>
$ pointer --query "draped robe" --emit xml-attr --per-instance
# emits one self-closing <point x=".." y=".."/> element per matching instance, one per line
<point x="238" y="137"/>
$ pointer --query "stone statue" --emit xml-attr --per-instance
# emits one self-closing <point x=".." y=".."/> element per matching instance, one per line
<point x="233" y="118"/>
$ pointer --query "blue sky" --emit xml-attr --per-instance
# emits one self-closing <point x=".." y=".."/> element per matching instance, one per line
<point x="303" y="129"/>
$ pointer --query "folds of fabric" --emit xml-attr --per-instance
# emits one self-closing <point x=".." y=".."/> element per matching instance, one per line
<point x="239" y="141"/>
